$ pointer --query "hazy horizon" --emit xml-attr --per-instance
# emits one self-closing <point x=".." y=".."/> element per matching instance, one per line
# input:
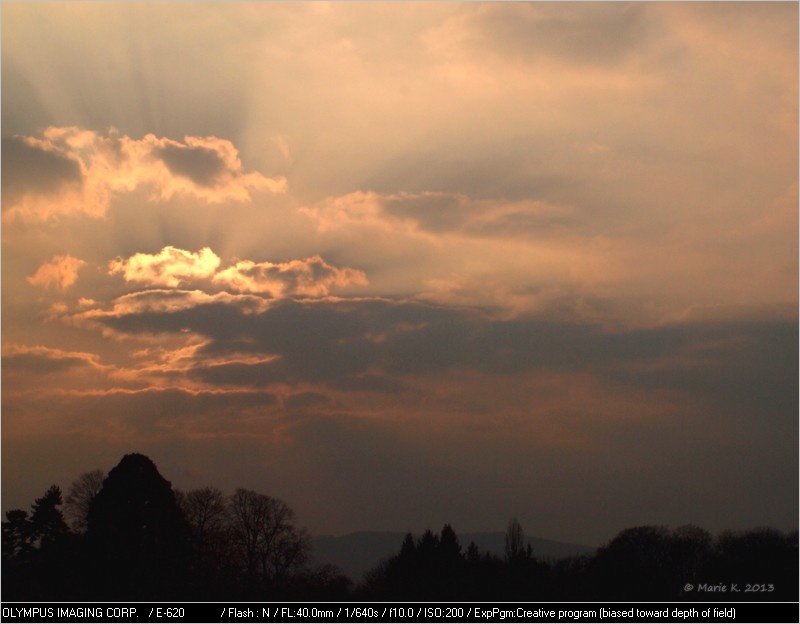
<point x="408" y="264"/>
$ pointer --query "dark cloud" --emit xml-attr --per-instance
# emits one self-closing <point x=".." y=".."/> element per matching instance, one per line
<point x="201" y="165"/>
<point x="437" y="212"/>
<point x="373" y="344"/>
<point x="170" y="411"/>
<point x="305" y="399"/>
<point x="744" y="371"/>
<point x="512" y="168"/>
<point x="522" y="222"/>
<point x="28" y="169"/>
<point x="595" y="34"/>
<point x="448" y="212"/>
<point x="41" y="363"/>
<point x="23" y="108"/>
<point x="235" y="374"/>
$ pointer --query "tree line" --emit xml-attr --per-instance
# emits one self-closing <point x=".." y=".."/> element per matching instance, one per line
<point x="129" y="535"/>
<point x="647" y="563"/>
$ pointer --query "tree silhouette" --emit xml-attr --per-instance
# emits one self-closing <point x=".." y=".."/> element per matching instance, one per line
<point x="265" y="539"/>
<point x="635" y="565"/>
<point x="79" y="498"/>
<point x="47" y="521"/>
<point x="206" y="510"/>
<point x="142" y="541"/>
<point x="427" y="569"/>
<point x="689" y="550"/>
<point x="408" y="547"/>
<point x="324" y="583"/>
<point x="138" y="536"/>
<point x="212" y="571"/>
<point x="514" y="541"/>
<point x="449" y="545"/>
<point x="765" y="554"/>
<point x="525" y="577"/>
<point x="19" y="556"/>
<point x="38" y="551"/>
<point x="473" y="553"/>
<point x="17" y="536"/>
<point x="450" y="564"/>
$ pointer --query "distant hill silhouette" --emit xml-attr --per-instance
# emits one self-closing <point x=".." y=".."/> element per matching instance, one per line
<point x="357" y="553"/>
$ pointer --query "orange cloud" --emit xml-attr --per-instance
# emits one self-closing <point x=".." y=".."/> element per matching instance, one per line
<point x="312" y="277"/>
<point x="61" y="273"/>
<point x="169" y="267"/>
<point x="173" y="267"/>
<point x="169" y="301"/>
<point x="439" y="212"/>
<point x="207" y="168"/>
<point x="25" y="366"/>
<point x="42" y="353"/>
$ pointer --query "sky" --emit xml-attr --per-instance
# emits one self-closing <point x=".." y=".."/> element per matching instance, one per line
<point x="406" y="264"/>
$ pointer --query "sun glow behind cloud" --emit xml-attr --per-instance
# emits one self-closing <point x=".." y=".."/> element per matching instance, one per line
<point x="375" y="246"/>
<point x="169" y="267"/>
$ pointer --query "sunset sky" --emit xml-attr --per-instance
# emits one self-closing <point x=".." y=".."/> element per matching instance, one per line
<point x="405" y="264"/>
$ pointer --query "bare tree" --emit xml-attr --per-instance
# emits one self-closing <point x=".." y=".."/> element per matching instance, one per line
<point x="79" y="498"/>
<point x="265" y="537"/>
<point x="206" y="510"/>
<point x="514" y="540"/>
